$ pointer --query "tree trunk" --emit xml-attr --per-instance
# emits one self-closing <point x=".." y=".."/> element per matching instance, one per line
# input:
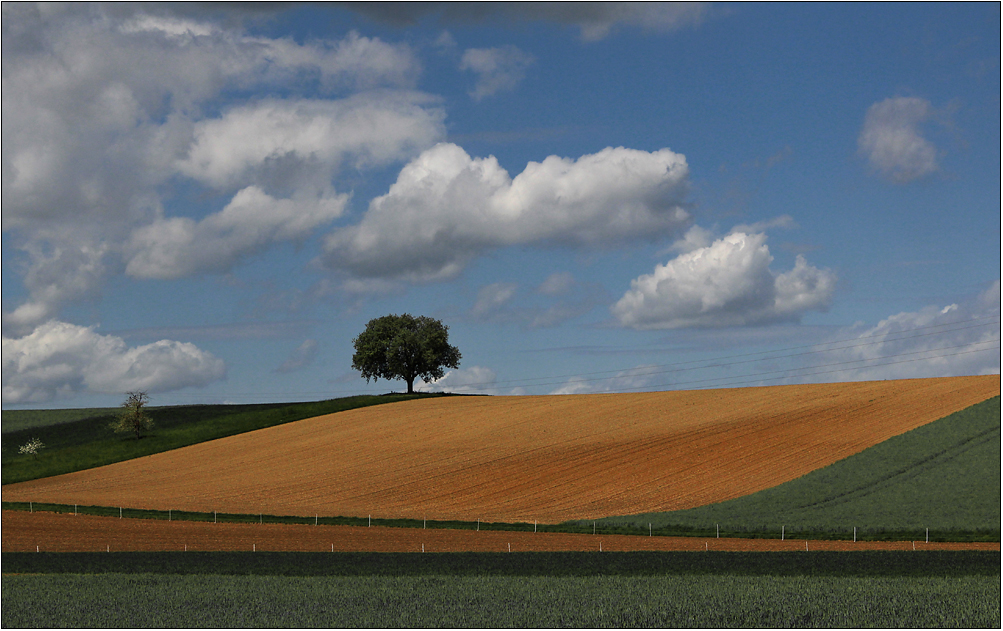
<point x="410" y="385"/>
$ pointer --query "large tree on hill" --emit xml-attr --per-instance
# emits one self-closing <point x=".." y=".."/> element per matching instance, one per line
<point x="404" y="347"/>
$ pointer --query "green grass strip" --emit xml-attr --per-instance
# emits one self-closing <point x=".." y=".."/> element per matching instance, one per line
<point x="599" y="528"/>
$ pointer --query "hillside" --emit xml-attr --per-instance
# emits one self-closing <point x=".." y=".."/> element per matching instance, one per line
<point x="547" y="458"/>
<point x="944" y="476"/>
<point x="81" y="439"/>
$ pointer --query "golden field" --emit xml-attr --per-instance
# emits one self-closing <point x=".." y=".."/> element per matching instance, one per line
<point x="546" y="458"/>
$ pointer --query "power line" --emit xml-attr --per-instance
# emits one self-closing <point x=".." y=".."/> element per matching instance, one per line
<point x="855" y="361"/>
<point x="761" y="376"/>
<point x="716" y="362"/>
<point x="826" y="372"/>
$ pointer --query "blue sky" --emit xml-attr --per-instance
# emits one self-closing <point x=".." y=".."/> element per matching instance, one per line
<point x="209" y="202"/>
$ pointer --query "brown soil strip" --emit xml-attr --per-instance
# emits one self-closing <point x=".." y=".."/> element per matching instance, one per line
<point x="54" y="532"/>
<point x="512" y="459"/>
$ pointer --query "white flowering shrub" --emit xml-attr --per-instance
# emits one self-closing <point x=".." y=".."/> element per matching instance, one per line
<point x="31" y="448"/>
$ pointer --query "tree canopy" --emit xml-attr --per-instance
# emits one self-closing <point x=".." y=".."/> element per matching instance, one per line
<point x="133" y="418"/>
<point x="404" y="347"/>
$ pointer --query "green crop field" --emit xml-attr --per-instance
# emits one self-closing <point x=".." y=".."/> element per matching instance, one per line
<point x="86" y="443"/>
<point x="727" y="590"/>
<point x="944" y="476"/>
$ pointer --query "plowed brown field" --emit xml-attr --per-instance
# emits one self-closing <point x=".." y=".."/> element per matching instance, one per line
<point x="52" y="532"/>
<point x="546" y="458"/>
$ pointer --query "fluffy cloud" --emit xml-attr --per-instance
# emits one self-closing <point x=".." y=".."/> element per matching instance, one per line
<point x="96" y="111"/>
<point x="728" y="283"/>
<point x="891" y="139"/>
<point x="105" y="105"/>
<point x="280" y="141"/>
<point x="56" y="276"/>
<point x="473" y="380"/>
<point x="59" y="359"/>
<point x="179" y="246"/>
<point x="957" y="339"/>
<point x="496" y="68"/>
<point x="447" y="208"/>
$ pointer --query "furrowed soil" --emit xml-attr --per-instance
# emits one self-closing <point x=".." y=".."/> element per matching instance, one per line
<point x="63" y="532"/>
<point x="521" y="459"/>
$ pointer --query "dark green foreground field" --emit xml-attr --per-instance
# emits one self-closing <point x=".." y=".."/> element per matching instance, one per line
<point x="639" y="589"/>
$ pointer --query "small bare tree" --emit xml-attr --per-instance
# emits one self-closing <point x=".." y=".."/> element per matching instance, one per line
<point x="31" y="448"/>
<point x="133" y="418"/>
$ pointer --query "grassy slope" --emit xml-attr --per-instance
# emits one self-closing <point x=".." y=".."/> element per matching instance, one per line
<point x="944" y="475"/>
<point x="16" y="420"/>
<point x="87" y="443"/>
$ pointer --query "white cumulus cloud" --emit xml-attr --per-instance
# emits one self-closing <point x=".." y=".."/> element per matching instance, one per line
<point x="728" y="283"/>
<point x="936" y="341"/>
<point x="447" y="208"/>
<point x="107" y="107"/>
<point x="892" y="142"/>
<point x="497" y="69"/>
<point x="279" y="140"/>
<point x="179" y="246"/>
<point x="59" y="358"/>
<point x="473" y="380"/>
